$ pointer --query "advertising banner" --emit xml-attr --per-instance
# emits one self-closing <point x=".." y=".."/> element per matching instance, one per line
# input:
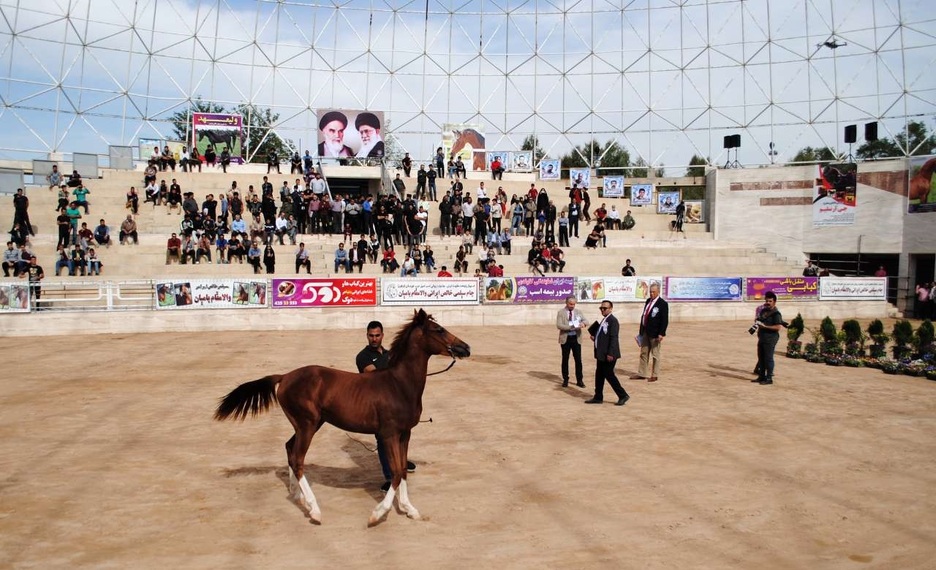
<point x="222" y="131"/>
<point x="521" y="161"/>
<point x="667" y="202"/>
<point x="325" y="292"/>
<point x="345" y="133"/>
<point x="834" y="200"/>
<point x="613" y="187"/>
<point x="212" y="294"/>
<point x="14" y="298"/>
<point x="922" y="194"/>
<point x="703" y="289"/>
<point x="464" y="140"/>
<point x="549" y="169"/>
<point x="528" y="289"/>
<point x="580" y="177"/>
<point x="617" y="289"/>
<point x="853" y="288"/>
<point x="695" y="211"/>
<point x="641" y="195"/>
<point x="799" y="288"/>
<point x="407" y="291"/>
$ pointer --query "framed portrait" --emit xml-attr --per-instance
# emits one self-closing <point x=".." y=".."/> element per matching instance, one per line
<point x="549" y="169"/>
<point x="613" y="187"/>
<point x="521" y="161"/>
<point x="667" y="202"/>
<point x="641" y="195"/>
<point x="580" y="177"/>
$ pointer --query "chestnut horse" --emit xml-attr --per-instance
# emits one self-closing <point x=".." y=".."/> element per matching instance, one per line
<point x="383" y="402"/>
<point x="920" y="184"/>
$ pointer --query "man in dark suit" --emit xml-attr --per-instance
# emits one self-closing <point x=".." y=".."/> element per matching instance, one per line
<point x="653" y="323"/>
<point x="607" y="352"/>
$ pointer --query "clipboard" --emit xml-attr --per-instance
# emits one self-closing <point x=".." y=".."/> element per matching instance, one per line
<point x="594" y="328"/>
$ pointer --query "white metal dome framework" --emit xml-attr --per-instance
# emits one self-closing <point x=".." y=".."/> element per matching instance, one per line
<point x="664" y="78"/>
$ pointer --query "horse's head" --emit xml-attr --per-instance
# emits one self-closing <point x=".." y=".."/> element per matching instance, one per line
<point x="437" y="340"/>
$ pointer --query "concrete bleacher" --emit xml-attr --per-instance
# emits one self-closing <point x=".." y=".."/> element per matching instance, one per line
<point x="652" y="247"/>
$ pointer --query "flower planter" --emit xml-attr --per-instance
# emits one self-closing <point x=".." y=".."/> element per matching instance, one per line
<point x="931" y="374"/>
<point x="890" y="370"/>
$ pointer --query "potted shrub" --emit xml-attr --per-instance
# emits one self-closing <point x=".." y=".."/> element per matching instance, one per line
<point x="854" y="338"/>
<point x="890" y="367"/>
<point x="852" y="361"/>
<point x="794" y="331"/>
<point x="903" y="336"/>
<point x="878" y="337"/>
<point x="811" y="350"/>
<point x="923" y="339"/>
<point x="831" y="342"/>
<point x="931" y="373"/>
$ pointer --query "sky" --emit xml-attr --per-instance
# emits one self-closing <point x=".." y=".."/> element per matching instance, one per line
<point x="664" y="79"/>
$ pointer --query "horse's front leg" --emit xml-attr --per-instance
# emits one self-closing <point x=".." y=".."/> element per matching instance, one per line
<point x="393" y="450"/>
<point x="403" y="499"/>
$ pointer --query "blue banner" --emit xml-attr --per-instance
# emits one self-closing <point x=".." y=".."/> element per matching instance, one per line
<point x="703" y="289"/>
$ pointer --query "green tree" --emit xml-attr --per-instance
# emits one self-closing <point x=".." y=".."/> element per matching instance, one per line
<point x="615" y="159"/>
<point x="818" y="154"/>
<point x="532" y="143"/>
<point x="919" y="142"/>
<point x="393" y="150"/>
<point x="641" y="169"/>
<point x="697" y="166"/>
<point x="182" y="120"/>
<point x="261" y="138"/>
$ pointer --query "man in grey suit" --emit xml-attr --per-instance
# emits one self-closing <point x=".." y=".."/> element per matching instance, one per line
<point x="607" y="351"/>
<point x="571" y="324"/>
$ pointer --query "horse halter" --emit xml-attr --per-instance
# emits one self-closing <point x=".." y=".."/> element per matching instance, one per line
<point x="447" y="368"/>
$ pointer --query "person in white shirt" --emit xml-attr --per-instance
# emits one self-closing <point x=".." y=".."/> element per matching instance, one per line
<point x="481" y="192"/>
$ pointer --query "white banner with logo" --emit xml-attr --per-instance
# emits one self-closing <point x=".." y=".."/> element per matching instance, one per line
<point x="212" y="294"/>
<point x="441" y="291"/>
<point x="853" y="288"/>
<point x="617" y="289"/>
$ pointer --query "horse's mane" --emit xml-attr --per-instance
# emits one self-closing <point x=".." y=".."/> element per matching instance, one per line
<point x="401" y="342"/>
<point x="926" y="171"/>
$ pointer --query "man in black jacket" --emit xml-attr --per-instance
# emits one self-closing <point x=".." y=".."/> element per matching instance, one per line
<point x="607" y="352"/>
<point x="653" y="323"/>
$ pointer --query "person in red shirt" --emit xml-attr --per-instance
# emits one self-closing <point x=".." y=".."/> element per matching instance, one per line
<point x="881" y="272"/>
<point x="495" y="270"/>
<point x="532" y="192"/>
<point x="444" y="272"/>
<point x="173" y="248"/>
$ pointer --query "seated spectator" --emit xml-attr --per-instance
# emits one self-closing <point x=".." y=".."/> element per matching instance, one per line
<point x="533" y="260"/>
<point x="461" y="263"/>
<point x="211" y="155"/>
<point x="238" y="227"/>
<point x="444" y="272"/>
<point x="149" y="176"/>
<point x="167" y="159"/>
<point x="154" y="159"/>
<point x="505" y="241"/>
<point x="614" y="219"/>
<point x="22" y="266"/>
<point x="19" y="235"/>
<point x="10" y="258"/>
<point x="194" y="159"/>
<point x="428" y="258"/>
<point x="389" y="262"/>
<point x="225" y="159"/>
<point x="74" y="181"/>
<point x="173" y="249"/>
<point x="628" y="270"/>
<point x="54" y="178"/>
<point x="81" y="197"/>
<point x="341" y="259"/>
<point x="188" y="250"/>
<point x="556" y="259"/>
<point x="102" y="234"/>
<point x="295" y="163"/>
<point x="63" y="200"/>
<point x="85" y="237"/>
<point x="467" y="243"/>
<point x="186" y="226"/>
<point x="254" y="256"/>
<point x="236" y="249"/>
<point x="302" y="259"/>
<point x="133" y="201"/>
<point x="408" y="269"/>
<point x="151" y="194"/>
<point x="355" y="259"/>
<point x="221" y="245"/>
<point x="495" y="270"/>
<point x="94" y="262"/>
<point x="417" y="258"/>
<point x="628" y="222"/>
<point x="128" y="229"/>
<point x="594" y="238"/>
<point x="78" y="262"/>
<point x="203" y="249"/>
<point x="62" y="261"/>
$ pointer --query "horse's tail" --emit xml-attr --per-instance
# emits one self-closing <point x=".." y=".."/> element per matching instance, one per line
<point x="250" y="398"/>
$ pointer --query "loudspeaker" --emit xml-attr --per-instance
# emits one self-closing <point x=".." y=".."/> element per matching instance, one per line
<point x="735" y="141"/>
<point x="870" y="132"/>
<point x="728" y="141"/>
<point x="851" y="133"/>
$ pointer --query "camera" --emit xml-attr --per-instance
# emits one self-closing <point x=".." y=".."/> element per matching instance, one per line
<point x="754" y="327"/>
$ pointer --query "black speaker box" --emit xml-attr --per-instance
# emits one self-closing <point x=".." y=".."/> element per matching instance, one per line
<point x="851" y="133"/>
<point x="871" y="132"/>
<point x="735" y="141"/>
<point x="727" y="141"/>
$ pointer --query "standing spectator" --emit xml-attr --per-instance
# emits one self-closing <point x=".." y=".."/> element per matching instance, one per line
<point x="421" y="177"/>
<point x="923" y="296"/>
<point x="407" y="164"/>
<point x="571" y="324"/>
<point x="35" y="275"/>
<point x="431" y="180"/>
<point x="607" y="353"/>
<point x="21" y="211"/>
<point x="269" y="256"/>
<point x="653" y="323"/>
<point x="881" y="272"/>
<point x="680" y="217"/>
<point x="64" y="227"/>
<point x="73" y="216"/>
<point x="769" y="322"/>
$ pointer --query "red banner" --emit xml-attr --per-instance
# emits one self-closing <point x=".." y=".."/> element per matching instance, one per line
<point x="324" y="292"/>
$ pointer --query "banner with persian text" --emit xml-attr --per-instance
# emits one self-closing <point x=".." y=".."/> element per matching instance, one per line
<point x="212" y="294"/>
<point x="325" y="292"/>
<point x="528" y="289"/>
<point x="853" y="288"/>
<point x="799" y="288"/>
<point x="218" y="130"/>
<point x="703" y="289"/>
<point x="834" y="198"/>
<point x="407" y="291"/>
<point x="617" y="289"/>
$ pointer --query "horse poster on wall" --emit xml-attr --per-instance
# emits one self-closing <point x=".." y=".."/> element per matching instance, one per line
<point x="922" y="185"/>
<point x="834" y="199"/>
<point x="218" y="130"/>
<point x="465" y="141"/>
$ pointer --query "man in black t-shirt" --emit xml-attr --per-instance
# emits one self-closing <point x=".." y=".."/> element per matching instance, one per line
<point x="769" y="323"/>
<point x="35" y="275"/>
<point x="375" y="357"/>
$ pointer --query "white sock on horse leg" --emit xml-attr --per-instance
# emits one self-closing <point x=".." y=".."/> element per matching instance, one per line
<point x="310" y="501"/>
<point x="383" y="507"/>
<point x="405" y="503"/>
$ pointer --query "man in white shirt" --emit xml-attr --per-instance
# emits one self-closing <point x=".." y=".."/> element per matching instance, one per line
<point x="481" y="192"/>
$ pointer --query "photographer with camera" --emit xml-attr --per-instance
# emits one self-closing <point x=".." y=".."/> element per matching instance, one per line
<point x="767" y="326"/>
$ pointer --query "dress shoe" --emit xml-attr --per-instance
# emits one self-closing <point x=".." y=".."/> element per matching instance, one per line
<point x="580" y="384"/>
<point x="758" y="379"/>
<point x="765" y="381"/>
<point x="638" y="377"/>
<point x="622" y="401"/>
<point x="594" y="401"/>
<point x="565" y="383"/>
<point x="652" y="379"/>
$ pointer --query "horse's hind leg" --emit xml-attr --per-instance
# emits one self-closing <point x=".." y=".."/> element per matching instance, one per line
<point x="293" y="482"/>
<point x="403" y="500"/>
<point x="301" y="441"/>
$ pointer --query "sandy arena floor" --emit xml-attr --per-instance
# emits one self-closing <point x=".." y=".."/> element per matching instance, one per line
<point x="109" y="458"/>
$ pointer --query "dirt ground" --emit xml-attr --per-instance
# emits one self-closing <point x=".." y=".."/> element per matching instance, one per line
<point x="109" y="458"/>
